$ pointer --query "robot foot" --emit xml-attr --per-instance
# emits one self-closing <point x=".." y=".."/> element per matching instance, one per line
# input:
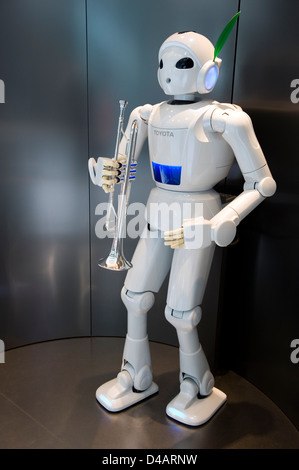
<point x="187" y="408"/>
<point x="119" y="393"/>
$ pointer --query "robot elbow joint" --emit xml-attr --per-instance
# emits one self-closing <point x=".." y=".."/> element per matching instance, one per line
<point x="266" y="187"/>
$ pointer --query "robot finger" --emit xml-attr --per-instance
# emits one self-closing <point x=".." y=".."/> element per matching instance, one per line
<point x="109" y="163"/>
<point x="121" y="159"/>
<point x="174" y="234"/>
<point x="175" y="244"/>
<point x="178" y="244"/>
<point x="109" y="180"/>
<point x="107" y="188"/>
<point x="108" y="184"/>
<point x="110" y="172"/>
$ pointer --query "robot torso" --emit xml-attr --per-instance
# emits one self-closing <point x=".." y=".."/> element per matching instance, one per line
<point x="184" y="155"/>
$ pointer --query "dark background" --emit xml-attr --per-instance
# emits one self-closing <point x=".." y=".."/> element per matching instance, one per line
<point x="65" y="65"/>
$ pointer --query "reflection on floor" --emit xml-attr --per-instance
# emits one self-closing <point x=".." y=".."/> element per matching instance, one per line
<point x="47" y="401"/>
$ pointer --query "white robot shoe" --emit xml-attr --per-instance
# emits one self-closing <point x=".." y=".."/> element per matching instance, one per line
<point x="187" y="408"/>
<point x="119" y="393"/>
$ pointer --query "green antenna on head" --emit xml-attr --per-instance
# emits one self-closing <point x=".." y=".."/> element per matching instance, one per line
<point x="224" y="35"/>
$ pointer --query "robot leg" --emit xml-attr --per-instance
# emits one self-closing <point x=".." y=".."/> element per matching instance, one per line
<point x="134" y="381"/>
<point x="198" y="399"/>
<point x="193" y="362"/>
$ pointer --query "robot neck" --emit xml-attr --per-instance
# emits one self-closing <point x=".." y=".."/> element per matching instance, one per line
<point x="190" y="98"/>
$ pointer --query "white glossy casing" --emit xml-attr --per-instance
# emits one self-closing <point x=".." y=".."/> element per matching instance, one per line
<point x="177" y="138"/>
<point x="187" y="45"/>
<point x="192" y="145"/>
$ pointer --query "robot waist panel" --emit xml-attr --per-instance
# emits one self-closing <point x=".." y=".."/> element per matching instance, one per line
<point x="176" y="177"/>
<point x="167" y="174"/>
<point x="166" y="210"/>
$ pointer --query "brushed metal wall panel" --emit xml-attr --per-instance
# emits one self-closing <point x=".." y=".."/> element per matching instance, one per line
<point x="123" y="44"/>
<point x="266" y="54"/>
<point x="44" y="234"/>
<point x="262" y="270"/>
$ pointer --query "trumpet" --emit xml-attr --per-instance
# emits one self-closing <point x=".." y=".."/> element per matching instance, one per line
<point x="116" y="260"/>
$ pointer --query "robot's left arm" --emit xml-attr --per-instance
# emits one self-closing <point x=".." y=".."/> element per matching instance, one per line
<point x="236" y="129"/>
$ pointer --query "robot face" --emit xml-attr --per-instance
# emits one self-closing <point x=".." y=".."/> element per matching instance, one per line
<point x="186" y="64"/>
<point x="178" y="71"/>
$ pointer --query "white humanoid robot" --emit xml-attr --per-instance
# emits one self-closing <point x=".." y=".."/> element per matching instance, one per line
<point x="192" y="145"/>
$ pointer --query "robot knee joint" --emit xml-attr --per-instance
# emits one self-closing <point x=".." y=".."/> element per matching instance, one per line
<point x="138" y="303"/>
<point x="185" y="321"/>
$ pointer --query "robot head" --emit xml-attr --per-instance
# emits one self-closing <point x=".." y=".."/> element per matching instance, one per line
<point x="186" y="64"/>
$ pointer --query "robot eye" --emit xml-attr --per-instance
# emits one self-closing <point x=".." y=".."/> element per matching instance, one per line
<point x="161" y="64"/>
<point x="185" y="63"/>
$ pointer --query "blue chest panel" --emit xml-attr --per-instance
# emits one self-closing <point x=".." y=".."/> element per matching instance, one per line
<point x="167" y="174"/>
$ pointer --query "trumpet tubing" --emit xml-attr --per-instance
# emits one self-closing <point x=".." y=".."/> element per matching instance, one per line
<point x="116" y="260"/>
<point x="110" y="207"/>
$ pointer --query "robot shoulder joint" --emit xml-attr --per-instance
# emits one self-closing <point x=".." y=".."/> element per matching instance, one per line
<point x="225" y="118"/>
<point x="145" y="112"/>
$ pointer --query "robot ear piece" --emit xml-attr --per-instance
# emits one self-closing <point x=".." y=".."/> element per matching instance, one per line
<point x="208" y="76"/>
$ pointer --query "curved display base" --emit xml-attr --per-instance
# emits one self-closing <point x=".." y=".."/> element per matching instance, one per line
<point x="199" y="412"/>
<point x="47" y="401"/>
<point x="107" y="393"/>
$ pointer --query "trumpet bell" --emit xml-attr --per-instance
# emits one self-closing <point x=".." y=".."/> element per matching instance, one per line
<point x="115" y="262"/>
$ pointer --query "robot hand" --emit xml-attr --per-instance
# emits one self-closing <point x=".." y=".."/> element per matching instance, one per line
<point x="175" y="238"/>
<point x="104" y="172"/>
<point x="200" y="233"/>
<point x="194" y="233"/>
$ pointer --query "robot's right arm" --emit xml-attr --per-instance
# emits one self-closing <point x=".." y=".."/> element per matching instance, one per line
<point x="105" y="172"/>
